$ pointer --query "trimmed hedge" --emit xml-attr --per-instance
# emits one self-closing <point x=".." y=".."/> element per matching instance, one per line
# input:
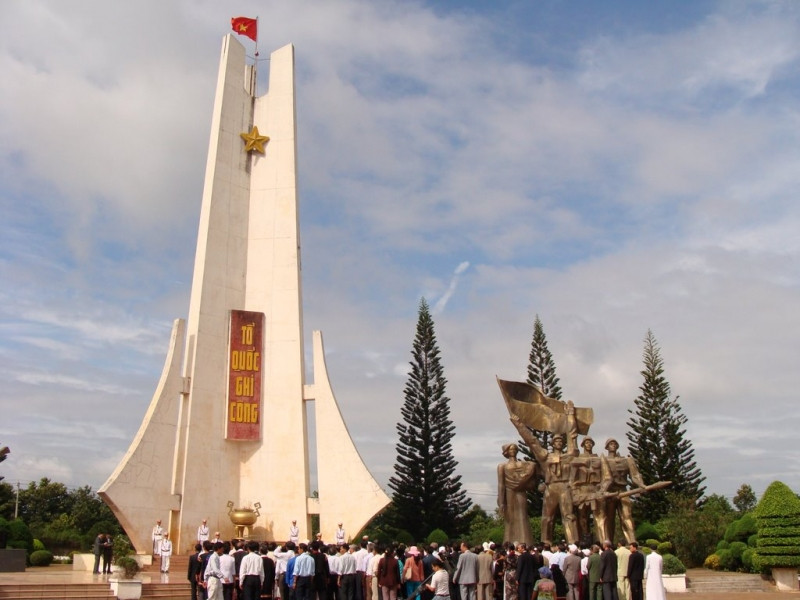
<point x="780" y="531"/>
<point x="777" y="517"/>
<point x="672" y="565"/>
<point x="41" y="558"/>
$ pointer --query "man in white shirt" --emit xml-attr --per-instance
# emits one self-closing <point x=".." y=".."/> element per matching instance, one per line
<point x="228" y="565"/>
<point x="372" y="574"/>
<point x="158" y="535"/>
<point x="213" y="574"/>
<point x="347" y="573"/>
<point x="251" y="573"/>
<point x="294" y="533"/>
<point x="202" y="532"/>
<point x="303" y="574"/>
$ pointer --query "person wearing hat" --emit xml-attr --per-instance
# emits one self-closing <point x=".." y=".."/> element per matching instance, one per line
<point x="202" y="532"/>
<point x="584" y="480"/>
<point x="339" y="536"/>
<point x="545" y="588"/>
<point x="556" y="468"/>
<point x="572" y="572"/>
<point x="413" y="572"/>
<point x="617" y="471"/>
<point x="158" y="534"/>
<point x="294" y="532"/>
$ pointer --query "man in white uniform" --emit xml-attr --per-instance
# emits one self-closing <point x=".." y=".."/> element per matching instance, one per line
<point x="166" y="553"/>
<point x="158" y="535"/>
<point x="202" y="532"/>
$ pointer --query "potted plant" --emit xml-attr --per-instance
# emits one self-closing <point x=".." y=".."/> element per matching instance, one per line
<point x="126" y="586"/>
<point x="778" y="543"/>
<point x="673" y="574"/>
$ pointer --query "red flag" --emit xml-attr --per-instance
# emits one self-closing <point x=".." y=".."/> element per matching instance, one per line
<point x="245" y="26"/>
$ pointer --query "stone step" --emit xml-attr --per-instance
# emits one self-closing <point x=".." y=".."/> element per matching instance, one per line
<point x="714" y="582"/>
<point x="79" y="591"/>
<point x="55" y="591"/>
<point x="167" y="591"/>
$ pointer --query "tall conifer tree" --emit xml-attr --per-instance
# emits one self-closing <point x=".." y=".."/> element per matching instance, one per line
<point x="657" y="440"/>
<point x="427" y="492"/>
<point x="542" y="374"/>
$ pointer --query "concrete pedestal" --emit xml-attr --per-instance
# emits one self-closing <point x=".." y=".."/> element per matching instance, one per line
<point x="12" y="560"/>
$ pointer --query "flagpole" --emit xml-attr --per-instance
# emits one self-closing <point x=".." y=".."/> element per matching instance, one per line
<point x="255" y="62"/>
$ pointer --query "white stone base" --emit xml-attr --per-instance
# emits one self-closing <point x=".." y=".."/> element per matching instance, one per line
<point x="674" y="583"/>
<point x="126" y="589"/>
<point x="785" y="579"/>
<point x="83" y="562"/>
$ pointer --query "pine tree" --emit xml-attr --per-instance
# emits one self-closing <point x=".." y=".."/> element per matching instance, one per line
<point x="427" y="492"/>
<point x="542" y="374"/>
<point x="657" y="440"/>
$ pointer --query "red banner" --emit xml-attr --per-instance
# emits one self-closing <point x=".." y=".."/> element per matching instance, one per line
<point x="244" y="373"/>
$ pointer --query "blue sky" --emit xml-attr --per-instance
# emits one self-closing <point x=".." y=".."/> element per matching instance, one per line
<point x="611" y="167"/>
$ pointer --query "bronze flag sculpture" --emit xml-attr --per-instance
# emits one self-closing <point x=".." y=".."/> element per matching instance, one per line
<point x="579" y="486"/>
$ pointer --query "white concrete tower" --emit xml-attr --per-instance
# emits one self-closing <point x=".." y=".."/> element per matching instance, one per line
<point x="229" y="424"/>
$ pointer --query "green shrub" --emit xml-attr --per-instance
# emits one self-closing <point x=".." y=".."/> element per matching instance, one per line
<point x="726" y="560"/>
<point x="752" y="541"/>
<point x="121" y="546"/>
<point x="723" y="545"/>
<point x="777" y="516"/>
<point x="128" y="565"/>
<point x="438" y="536"/>
<point x="19" y="535"/>
<point x="665" y="548"/>
<point x="737" y="548"/>
<point x="712" y="562"/>
<point x="403" y="537"/>
<point x="647" y="531"/>
<point x="673" y="565"/>
<point x="37" y="545"/>
<point x="747" y="560"/>
<point x="652" y="542"/>
<point x="41" y="558"/>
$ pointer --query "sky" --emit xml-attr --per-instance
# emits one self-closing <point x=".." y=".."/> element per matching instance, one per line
<point x="610" y="167"/>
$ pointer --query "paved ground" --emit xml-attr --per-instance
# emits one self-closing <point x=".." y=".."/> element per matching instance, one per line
<point x="61" y="574"/>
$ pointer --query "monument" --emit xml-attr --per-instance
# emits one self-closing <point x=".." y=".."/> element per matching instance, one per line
<point x="581" y="487"/>
<point x="228" y="422"/>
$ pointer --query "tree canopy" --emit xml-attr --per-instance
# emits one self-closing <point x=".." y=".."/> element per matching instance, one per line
<point x="427" y="492"/>
<point x="657" y="440"/>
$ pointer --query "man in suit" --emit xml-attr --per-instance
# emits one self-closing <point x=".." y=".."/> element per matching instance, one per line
<point x="636" y="572"/>
<point x="623" y="585"/>
<point x="595" y="583"/>
<point x="526" y="573"/>
<point x="466" y="573"/>
<point x="195" y="565"/>
<point x="485" y="580"/>
<point x="572" y="572"/>
<point x="608" y="571"/>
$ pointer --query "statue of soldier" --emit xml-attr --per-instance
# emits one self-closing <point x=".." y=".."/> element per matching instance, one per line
<point x="617" y="472"/>
<point x="555" y="466"/>
<point x="584" y="482"/>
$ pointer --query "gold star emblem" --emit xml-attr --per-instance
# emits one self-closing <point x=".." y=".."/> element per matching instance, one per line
<point x="253" y="142"/>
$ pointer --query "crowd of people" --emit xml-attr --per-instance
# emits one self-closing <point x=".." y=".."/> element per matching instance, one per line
<point x="242" y="570"/>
